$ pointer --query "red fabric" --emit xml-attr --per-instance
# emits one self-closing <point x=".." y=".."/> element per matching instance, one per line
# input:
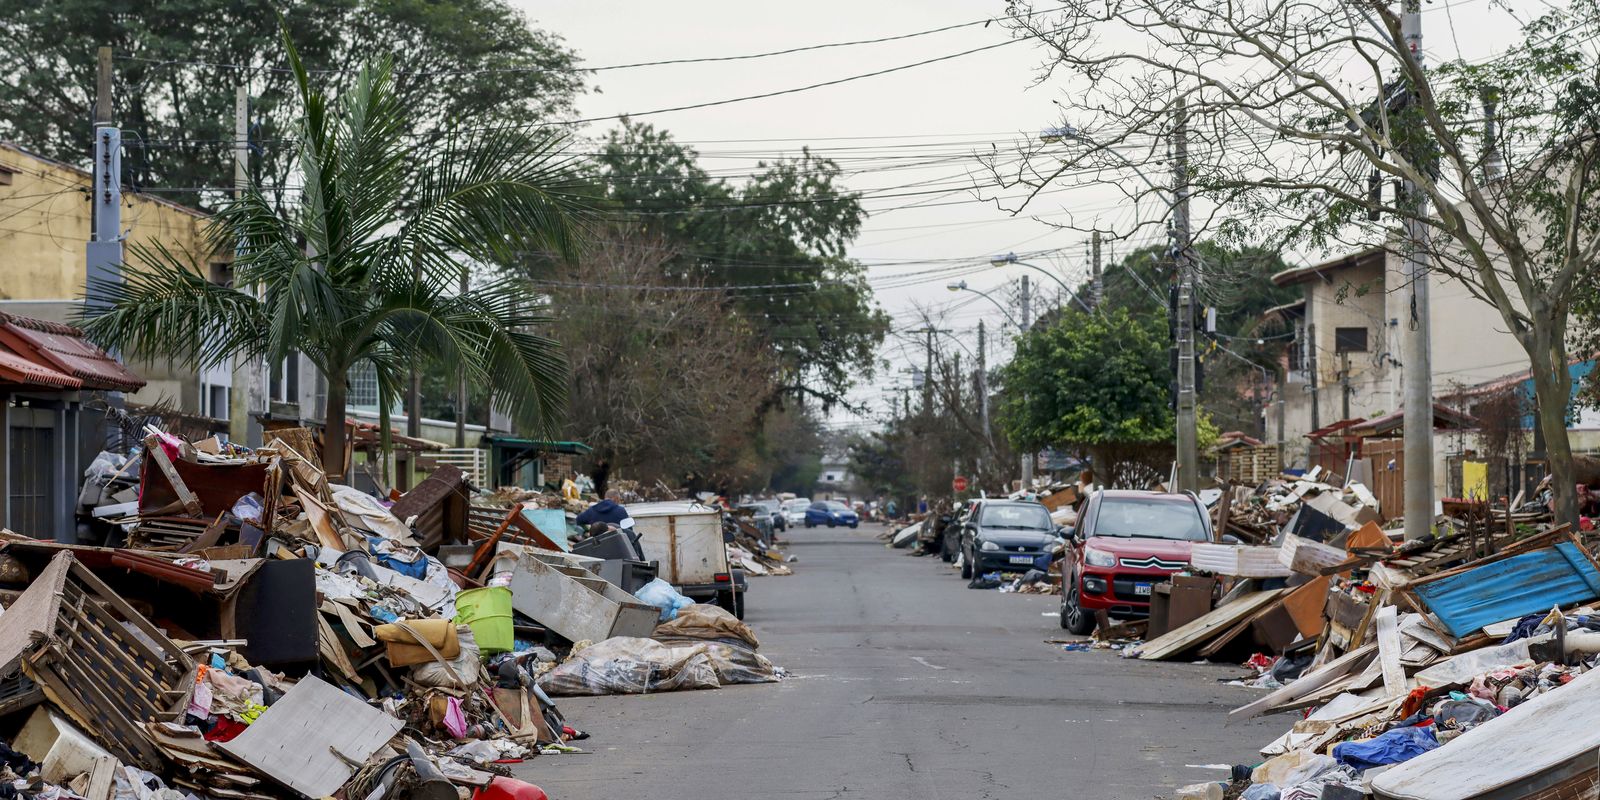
<point x="225" y="730"/>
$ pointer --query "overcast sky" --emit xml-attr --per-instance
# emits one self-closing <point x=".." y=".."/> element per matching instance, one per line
<point x="910" y="133"/>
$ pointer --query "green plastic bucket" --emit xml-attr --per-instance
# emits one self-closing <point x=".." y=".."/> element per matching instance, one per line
<point x="488" y="611"/>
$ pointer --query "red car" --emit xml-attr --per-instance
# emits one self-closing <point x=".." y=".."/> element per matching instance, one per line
<point x="1125" y="543"/>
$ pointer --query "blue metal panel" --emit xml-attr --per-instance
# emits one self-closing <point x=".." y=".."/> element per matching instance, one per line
<point x="1507" y="589"/>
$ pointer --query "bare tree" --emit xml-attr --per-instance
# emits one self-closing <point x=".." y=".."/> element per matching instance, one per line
<point x="667" y="378"/>
<point x="1303" y="115"/>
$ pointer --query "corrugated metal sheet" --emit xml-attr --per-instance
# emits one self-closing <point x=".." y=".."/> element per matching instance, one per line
<point x="1507" y="589"/>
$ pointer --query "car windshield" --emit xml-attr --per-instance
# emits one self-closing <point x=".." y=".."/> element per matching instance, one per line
<point x="1019" y="516"/>
<point x="796" y="504"/>
<point x="1149" y="517"/>
<point x="819" y="506"/>
<point x="838" y="507"/>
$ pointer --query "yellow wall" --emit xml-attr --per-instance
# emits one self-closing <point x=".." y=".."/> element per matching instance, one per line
<point x="44" y="224"/>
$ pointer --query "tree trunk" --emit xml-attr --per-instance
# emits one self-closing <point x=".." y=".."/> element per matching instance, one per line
<point x="334" y="431"/>
<point x="1552" y="388"/>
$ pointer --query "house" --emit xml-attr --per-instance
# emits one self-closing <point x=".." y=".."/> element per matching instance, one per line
<point x="1343" y="366"/>
<point x="51" y="429"/>
<point x="835" y="479"/>
<point x="44" y="239"/>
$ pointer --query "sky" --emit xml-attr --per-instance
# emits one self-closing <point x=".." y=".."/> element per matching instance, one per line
<point x="907" y="140"/>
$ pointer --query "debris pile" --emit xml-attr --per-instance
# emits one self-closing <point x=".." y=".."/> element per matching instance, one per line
<point x="263" y="632"/>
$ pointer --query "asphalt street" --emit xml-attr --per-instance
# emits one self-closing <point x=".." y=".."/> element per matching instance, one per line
<point x="906" y="684"/>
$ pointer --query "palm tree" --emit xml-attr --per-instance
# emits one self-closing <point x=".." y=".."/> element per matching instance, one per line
<point x="364" y="271"/>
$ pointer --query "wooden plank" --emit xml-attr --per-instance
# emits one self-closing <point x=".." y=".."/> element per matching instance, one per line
<point x="1179" y="641"/>
<point x="152" y="449"/>
<point x="102" y="778"/>
<point x="308" y="740"/>
<point x="1305" y="604"/>
<point x="1308" y="683"/>
<point x="1394" y="675"/>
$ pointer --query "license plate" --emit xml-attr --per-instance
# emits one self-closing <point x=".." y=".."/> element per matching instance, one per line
<point x="1141" y="588"/>
<point x="1024" y="560"/>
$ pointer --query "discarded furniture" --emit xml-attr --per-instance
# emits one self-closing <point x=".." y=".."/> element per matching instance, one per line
<point x="571" y="601"/>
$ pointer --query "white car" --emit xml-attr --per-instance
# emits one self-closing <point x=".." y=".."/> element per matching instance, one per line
<point x="795" y="510"/>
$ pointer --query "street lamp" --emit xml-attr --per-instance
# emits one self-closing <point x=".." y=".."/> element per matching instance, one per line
<point x="961" y="286"/>
<point x="1011" y="258"/>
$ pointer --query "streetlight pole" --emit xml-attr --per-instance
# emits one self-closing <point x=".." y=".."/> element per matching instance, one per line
<point x="961" y="286"/>
<point x="1011" y="258"/>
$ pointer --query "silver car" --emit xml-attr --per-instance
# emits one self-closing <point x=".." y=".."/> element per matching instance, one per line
<point x="795" y="510"/>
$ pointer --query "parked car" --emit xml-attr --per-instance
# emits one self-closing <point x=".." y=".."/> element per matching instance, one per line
<point x="832" y="514"/>
<point x="794" y="511"/>
<point x="1125" y="543"/>
<point x="950" y="530"/>
<point x="1007" y="535"/>
<point x="773" y="511"/>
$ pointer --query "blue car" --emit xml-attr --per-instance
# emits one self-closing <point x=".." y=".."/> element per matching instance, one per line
<point x="830" y="513"/>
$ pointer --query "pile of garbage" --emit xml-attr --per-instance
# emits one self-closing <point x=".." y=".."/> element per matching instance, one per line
<point x="256" y="631"/>
<point x="1435" y="668"/>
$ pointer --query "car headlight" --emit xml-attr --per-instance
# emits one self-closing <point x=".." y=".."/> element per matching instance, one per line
<point x="1099" y="558"/>
<point x="989" y="546"/>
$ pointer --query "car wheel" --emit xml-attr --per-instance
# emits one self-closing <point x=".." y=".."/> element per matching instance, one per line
<point x="966" y="567"/>
<point x="832" y="524"/>
<point x="853" y="525"/>
<point x="1073" y="617"/>
<point x="947" y="554"/>
<point x="810" y="524"/>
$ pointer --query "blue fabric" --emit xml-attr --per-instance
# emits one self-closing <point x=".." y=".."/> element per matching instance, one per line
<point x="1510" y="588"/>
<point x="607" y="511"/>
<point x="1394" y="747"/>
<point x="417" y="568"/>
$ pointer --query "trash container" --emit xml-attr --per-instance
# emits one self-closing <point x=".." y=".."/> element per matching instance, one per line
<point x="488" y="611"/>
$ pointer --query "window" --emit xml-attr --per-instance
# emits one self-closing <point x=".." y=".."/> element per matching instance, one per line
<point x="1297" y="354"/>
<point x="6" y="173"/>
<point x="1349" y="340"/>
<point x="830" y="477"/>
<point x="214" y="400"/>
<point x="363" y="386"/>
<point x="286" y="380"/>
<point x="220" y="273"/>
<point x="1150" y="517"/>
<point x="1016" y="516"/>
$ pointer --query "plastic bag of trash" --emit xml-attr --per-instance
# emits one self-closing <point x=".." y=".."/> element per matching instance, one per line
<point x="629" y="665"/>
<point x="736" y="663"/>
<point x="660" y="594"/>
<point x="703" y="621"/>
<point x="1291" y="769"/>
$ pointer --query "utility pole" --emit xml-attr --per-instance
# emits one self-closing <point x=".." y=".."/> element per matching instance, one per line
<point x="1417" y="423"/>
<point x="247" y="397"/>
<point x="104" y="251"/>
<point x="927" y="376"/>
<point x="1027" y="321"/>
<point x="1096" y="286"/>
<point x="983" y="384"/>
<point x="1188" y="458"/>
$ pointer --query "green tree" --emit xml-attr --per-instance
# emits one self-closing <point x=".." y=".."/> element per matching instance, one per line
<point x="780" y="236"/>
<point x="348" y="281"/>
<point x="1097" y="382"/>
<point x="178" y="63"/>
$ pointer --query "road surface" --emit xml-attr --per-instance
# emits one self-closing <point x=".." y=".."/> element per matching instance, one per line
<point x="906" y="684"/>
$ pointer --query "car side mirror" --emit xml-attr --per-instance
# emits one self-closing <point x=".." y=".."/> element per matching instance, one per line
<point x="1228" y="538"/>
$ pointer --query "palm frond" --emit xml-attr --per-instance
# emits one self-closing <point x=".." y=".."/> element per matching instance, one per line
<point x="164" y="308"/>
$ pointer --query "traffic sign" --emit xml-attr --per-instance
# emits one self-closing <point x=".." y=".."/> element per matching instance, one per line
<point x="959" y="484"/>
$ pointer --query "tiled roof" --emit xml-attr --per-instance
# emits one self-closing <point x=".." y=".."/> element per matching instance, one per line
<point x="62" y="348"/>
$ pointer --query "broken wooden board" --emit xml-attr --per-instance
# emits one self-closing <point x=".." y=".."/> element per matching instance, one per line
<point x="1394" y="674"/>
<point x="1177" y="642"/>
<point x="308" y="740"/>
<point x="1307" y="683"/>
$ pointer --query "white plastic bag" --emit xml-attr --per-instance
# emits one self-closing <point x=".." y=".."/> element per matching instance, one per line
<point x="660" y="594"/>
